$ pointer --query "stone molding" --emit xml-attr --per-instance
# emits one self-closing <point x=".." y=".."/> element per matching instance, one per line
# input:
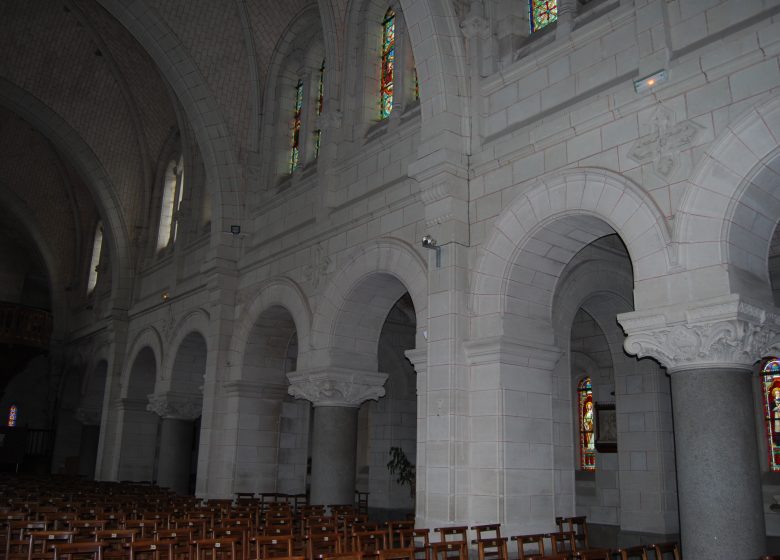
<point x="175" y="406"/>
<point x="337" y="386"/>
<point x="88" y="416"/>
<point x="507" y="350"/>
<point x="241" y="388"/>
<point x="726" y="332"/>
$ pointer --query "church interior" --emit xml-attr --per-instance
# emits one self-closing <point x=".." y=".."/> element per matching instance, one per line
<point x="473" y="261"/>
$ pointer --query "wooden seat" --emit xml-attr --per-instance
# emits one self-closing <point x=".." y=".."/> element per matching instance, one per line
<point x="352" y="555"/>
<point x="151" y="550"/>
<point x="638" y="552"/>
<point x="145" y="528"/>
<point x="666" y="550"/>
<point x="81" y="550"/>
<point x="492" y="548"/>
<point x="529" y="546"/>
<point x="594" y="554"/>
<point x="579" y="526"/>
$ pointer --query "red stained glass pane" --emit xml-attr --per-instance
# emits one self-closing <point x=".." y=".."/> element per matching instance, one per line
<point x="770" y="388"/>
<point x="388" y="63"/>
<point x="295" y="132"/>
<point x="586" y="425"/>
<point x="543" y="13"/>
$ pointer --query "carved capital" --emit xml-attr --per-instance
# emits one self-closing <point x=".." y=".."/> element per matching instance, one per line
<point x="475" y="27"/>
<point x="176" y="406"/>
<point x="336" y="386"/>
<point x="724" y="332"/>
<point x="88" y="416"/>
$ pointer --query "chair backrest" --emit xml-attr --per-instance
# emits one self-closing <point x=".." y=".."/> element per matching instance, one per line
<point x="579" y="525"/>
<point x="395" y="532"/>
<point x="452" y="534"/>
<point x="322" y="544"/>
<point x="71" y="551"/>
<point x="369" y="541"/>
<point x="529" y="545"/>
<point x="42" y="542"/>
<point x="563" y="541"/>
<point x="666" y="550"/>
<point x="273" y="546"/>
<point x="491" y="531"/>
<point x="492" y="548"/>
<point x="17" y="540"/>
<point x="455" y="550"/>
<point x="594" y="554"/>
<point x="216" y="549"/>
<point x="638" y="552"/>
<point x="151" y="550"/>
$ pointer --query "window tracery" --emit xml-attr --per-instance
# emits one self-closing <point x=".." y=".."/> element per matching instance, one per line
<point x="542" y="13"/>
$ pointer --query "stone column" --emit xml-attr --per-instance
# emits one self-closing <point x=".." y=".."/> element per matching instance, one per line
<point x="708" y="349"/>
<point x="90" y="436"/>
<point x="336" y="394"/>
<point x="176" y="438"/>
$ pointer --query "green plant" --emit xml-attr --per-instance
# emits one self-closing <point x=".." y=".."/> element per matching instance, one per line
<point x="404" y="470"/>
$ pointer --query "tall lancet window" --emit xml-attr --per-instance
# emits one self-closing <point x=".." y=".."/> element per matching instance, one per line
<point x="586" y="425"/>
<point x="543" y="13"/>
<point x="173" y="192"/>
<point x="770" y="388"/>
<point x="320" y="102"/>
<point x="13" y="416"/>
<point x="388" y="63"/>
<point x="295" y="129"/>
<point x="94" y="262"/>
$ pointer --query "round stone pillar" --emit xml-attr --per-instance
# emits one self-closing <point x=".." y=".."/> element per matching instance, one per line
<point x="719" y="488"/>
<point x="336" y="395"/>
<point x="176" y="437"/>
<point x="709" y="348"/>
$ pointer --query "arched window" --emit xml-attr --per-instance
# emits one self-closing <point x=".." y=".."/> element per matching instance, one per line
<point x="173" y="192"/>
<point x="586" y="425"/>
<point x="13" y="412"/>
<point x="542" y="13"/>
<point x="770" y="388"/>
<point x="388" y="62"/>
<point x="94" y="262"/>
<point x="295" y="128"/>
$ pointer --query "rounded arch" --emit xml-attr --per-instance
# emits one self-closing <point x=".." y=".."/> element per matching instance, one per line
<point x="148" y="339"/>
<point x="377" y="274"/>
<point x="543" y="228"/>
<point x="731" y="203"/>
<point x="78" y="152"/>
<point x="218" y="146"/>
<point x="277" y="292"/>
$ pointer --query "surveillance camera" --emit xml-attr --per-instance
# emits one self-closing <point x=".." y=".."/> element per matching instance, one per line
<point x="428" y="242"/>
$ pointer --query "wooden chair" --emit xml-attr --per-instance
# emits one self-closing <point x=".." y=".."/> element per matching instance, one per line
<point x="146" y="528"/>
<point x="454" y="550"/>
<point x="494" y="548"/>
<point x="397" y="554"/>
<point x="418" y="539"/>
<point x="272" y="546"/>
<point x="638" y="552"/>
<point x="665" y="550"/>
<point x="395" y="532"/>
<point x="81" y="550"/>
<point x="151" y="550"/>
<point x="322" y="544"/>
<point x="117" y="542"/>
<point x="529" y="546"/>
<point x="483" y="530"/>
<point x="17" y="537"/>
<point x="452" y="534"/>
<point x="216" y="549"/>
<point x="579" y="526"/>
<point x="369" y="542"/>
<point x="42" y="543"/>
<point x="241" y="533"/>
<point x="563" y="542"/>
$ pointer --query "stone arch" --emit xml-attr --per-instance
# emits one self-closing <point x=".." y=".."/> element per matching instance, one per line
<point x="542" y="228"/>
<point x="277" y="292"/>
<point x="78" y="152"/>
<point x="147" y="338"/>
<point x="730" y="207"/>
<point x="343" y="326"/>
<point x="197" y="321"/>
<point x="224" y="175"/>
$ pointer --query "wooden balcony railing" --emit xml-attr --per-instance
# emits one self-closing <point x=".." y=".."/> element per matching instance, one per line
<point x="24" y="326"/>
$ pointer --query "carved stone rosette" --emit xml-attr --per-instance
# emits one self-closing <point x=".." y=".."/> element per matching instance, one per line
<point x="175" y="406"/>
<point x="726" y="332"/>
<point x="337" y="386"/>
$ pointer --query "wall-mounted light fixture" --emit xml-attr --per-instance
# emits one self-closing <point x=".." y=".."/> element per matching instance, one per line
<point x="430" y="243"/>
<point x="649" y="82"/>
<point x="235" y="229"/>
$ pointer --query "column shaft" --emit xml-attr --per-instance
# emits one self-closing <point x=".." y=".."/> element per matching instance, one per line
<point x="334" y="440"/>
<point x="718" y="476"/>
<point x="173" y="465"/>
<point x="88" y="450"/>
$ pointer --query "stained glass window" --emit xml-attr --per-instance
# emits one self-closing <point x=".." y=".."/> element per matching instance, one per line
<point x="320" y="101"/>
<point x="388" y="62"/>
<point x="295" y="132"/>
<point x="770" y="385"/>
<point x="586" y="422"/>
<point x="416" y="86"/>
<point x="543" y="13"/>
<point x="12" y="416"/>
<point x="94" y="262"/>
